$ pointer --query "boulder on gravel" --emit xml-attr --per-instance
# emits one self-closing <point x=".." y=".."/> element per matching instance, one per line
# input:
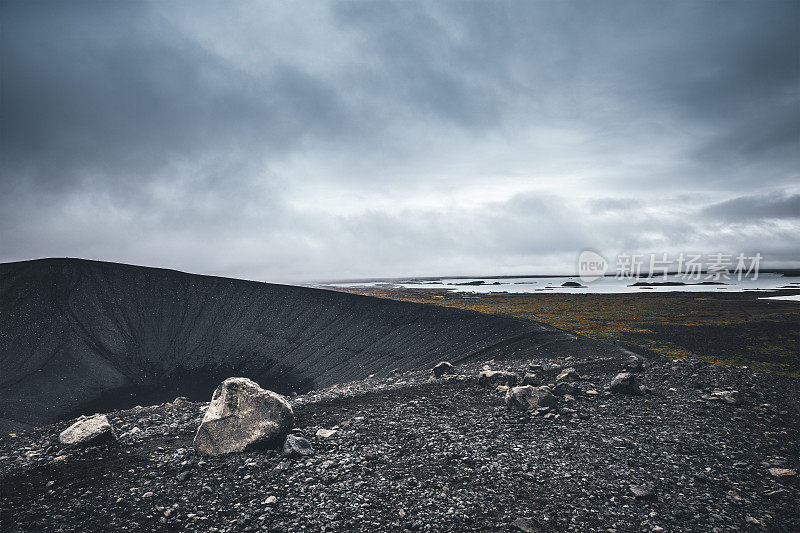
<point x="642" y="492"/>
<point x="489" y="378"/>
<point x="443" y="369"/>
<point x="563" y="388"/>
<point x="531" y="379"/>
<point x="528" y="397"/>
<point x="568" y="374"/>
<point x="625" y="383"/>
<point x="526" y="525"/>
<point x="88" y="430"/>
<point x="634" y="364"/>
<point x="242" y="414"/>
<point x="726" y="396"/>
<point x="295" y="446"/>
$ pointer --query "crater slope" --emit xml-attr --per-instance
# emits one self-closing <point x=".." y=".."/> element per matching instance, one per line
<point x="83" y="336"/>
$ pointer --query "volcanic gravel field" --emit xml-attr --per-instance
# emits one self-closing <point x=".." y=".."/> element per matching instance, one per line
<point x="414" y="453"/>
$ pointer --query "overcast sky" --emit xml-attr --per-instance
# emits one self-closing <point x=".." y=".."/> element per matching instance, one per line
<point x="320" y="140"/>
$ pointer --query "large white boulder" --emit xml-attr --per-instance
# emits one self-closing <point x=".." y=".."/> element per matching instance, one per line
<point x="242" y="414"/>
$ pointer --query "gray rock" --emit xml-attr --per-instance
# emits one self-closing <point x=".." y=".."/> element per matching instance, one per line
<point x="87" y="431"/>
<point x="443" y="368"/>
<point x="642" y="492"/>
<point x="625" y="383"/>
<point x="568" y="374"/>
<point x="528" y="397"/>
<point x="725" y="396"/>
<point x="563" y="388"/>
<point x="242" y="414"/>
<point x="531" y="379"/>
<point x="634" y="364"/>
<point x="526" y="525"/>
<point x="295" y="446"/>
<point x="489" y="378"/>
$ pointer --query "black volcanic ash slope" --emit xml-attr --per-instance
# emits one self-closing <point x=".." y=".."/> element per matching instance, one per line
<point x="74" y="332"/>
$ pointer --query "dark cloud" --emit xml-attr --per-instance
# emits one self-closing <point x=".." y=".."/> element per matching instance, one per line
<point x="750" y="208"/>
<point x="393" y="138"/>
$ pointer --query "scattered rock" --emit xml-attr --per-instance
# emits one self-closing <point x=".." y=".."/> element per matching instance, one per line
<point x="528" y="397"/>
<point x="754" y="522"/>
<point x="779" y="493"/>
<point x="642" y="492"/>
<point x="782" y="472"/>
<point x="531" y="379"/>
<point x="325" y="433"/>
<point x="443" y="368"/>
<point x="183" y="476"/>
<point x="88" y="431"/>
<point x="527" y="525"/>
<point x="730" y="397"/>
<point x="568" y="374"/>
<point x="563" y="388"/>
<point x="634" y="364"/>
<point x="271" y="500"/>
<point x="625" y="383"/>
<point x="491" y="378"/>
<point x="242" y="414"/>
<point x="295" y="446"/>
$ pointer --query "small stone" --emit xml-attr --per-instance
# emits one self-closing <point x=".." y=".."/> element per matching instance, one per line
<point x="526" y="525"/>
<point x="730" y="397"/>
<point x="147" y="495"/>
<point x="271" y="500"/>
<point x="625" y="383"/>
<point x="531" y="379"/>
<point x="492" y="378"/>
<point x="642" y="492"/>
<point x="88" y="430"/>
<point x="568" y="374"/>
<point x="779" y="493"/>
<point x="183" y="476"/>
<point x="634" y="364"/>
<point x="295" y="446"/>
<point x="325" y="433"/>
<point x="527" y="397"/>
<point x="782" y="472"/>
<point x="443" y="369"/>
<point x="563" y="388"/>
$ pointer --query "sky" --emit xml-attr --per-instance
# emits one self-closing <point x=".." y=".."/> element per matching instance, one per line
<point x="284" y="141"/>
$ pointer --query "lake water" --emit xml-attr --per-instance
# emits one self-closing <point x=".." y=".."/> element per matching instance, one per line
<point x="768" y="281"/>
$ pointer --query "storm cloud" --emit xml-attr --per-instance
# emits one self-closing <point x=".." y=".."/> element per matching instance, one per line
<point x="361" y="139"/>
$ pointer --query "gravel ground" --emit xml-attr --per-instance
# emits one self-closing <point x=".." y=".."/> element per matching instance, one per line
<point x="414" y="453"/>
